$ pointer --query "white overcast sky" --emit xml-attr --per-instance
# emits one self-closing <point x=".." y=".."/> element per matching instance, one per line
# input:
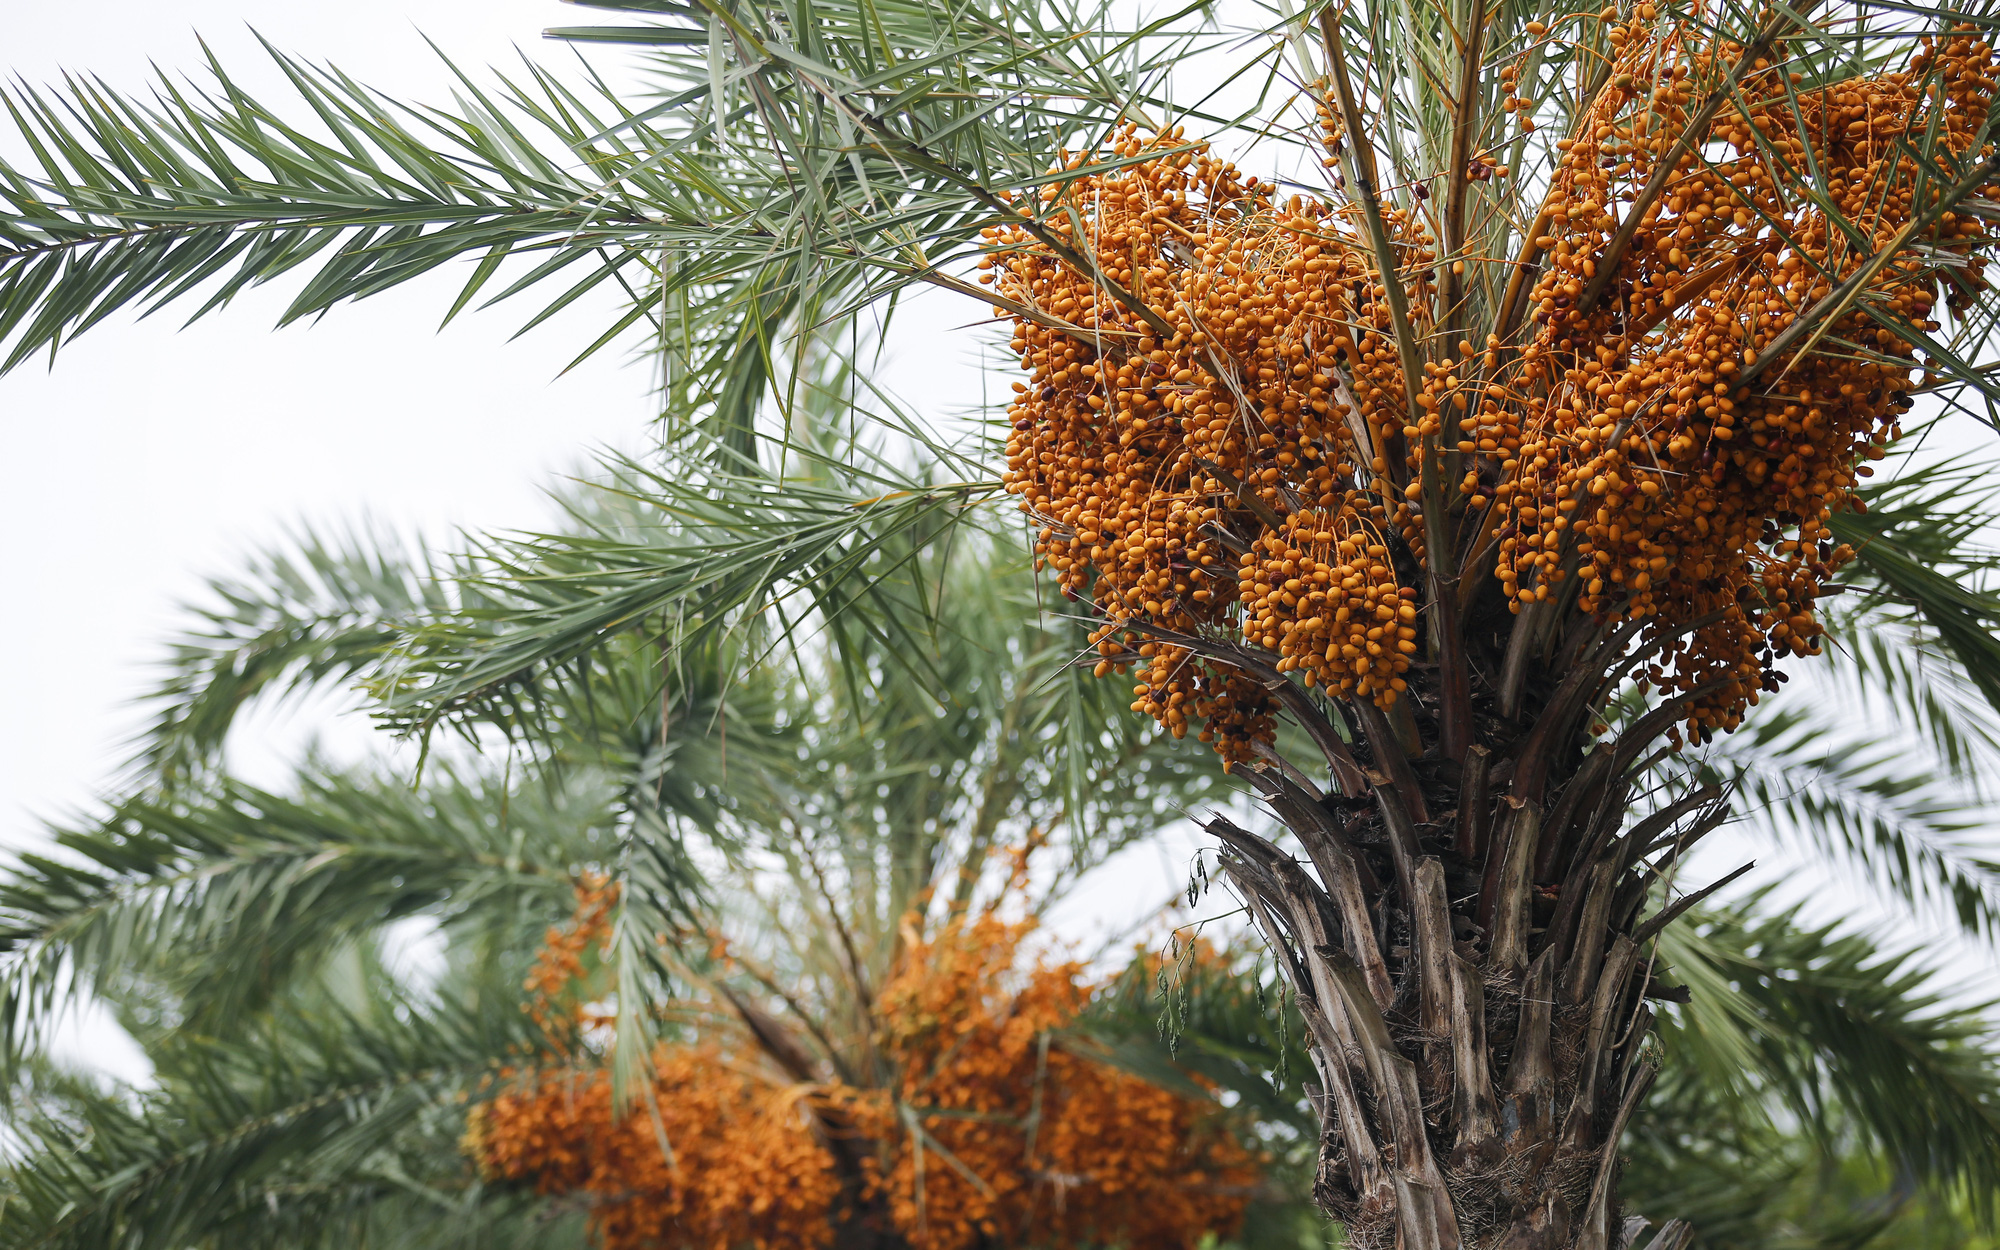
<point x="149" y="457"/>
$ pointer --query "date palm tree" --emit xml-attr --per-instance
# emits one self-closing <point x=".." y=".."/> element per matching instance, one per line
<point x="1464" y="478"/>
<point x="308" y="1090"/>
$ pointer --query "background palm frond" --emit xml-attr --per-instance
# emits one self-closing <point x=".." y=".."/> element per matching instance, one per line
<point x="325" y="612"/>
<point x="317" y="1128"/>
<point x="1829" y="1032"/>
<point x="221" y="898"/>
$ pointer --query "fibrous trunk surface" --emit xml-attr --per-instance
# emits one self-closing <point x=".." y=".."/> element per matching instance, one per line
<point x="1470" y="962"/>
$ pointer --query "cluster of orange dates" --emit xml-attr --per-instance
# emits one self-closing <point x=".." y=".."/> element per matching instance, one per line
<point x="1683" y="498"/>
<point x="1216" y="436"/>
<point x="1131" y="445"/>
<point x="983" y="1129"/>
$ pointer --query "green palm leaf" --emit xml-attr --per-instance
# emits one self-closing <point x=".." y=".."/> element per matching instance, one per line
<point x="319" y="1130"/>
<point x="175" y="891"/>
<point x="1824" y="1028"/>
<point x="324" y="612"/>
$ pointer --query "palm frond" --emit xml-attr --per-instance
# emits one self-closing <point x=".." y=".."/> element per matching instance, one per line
<point x="1830" y="1032"/>
<point x="195" y="193"/>
<point x="1807" y="781"/>
<point x="322" y="1129"/>
<point x="735" y="557"/>
<point x="178" y="891"/>
<point x="1779" y="1192"/>
<point x="805" y="162"/>
<point x="316" y="612"/>
<point x="1922" y="557"/>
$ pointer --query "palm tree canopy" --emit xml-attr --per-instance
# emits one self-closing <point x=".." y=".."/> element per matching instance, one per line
<point x="804" y="165"/>
<point x="900" y="132"/>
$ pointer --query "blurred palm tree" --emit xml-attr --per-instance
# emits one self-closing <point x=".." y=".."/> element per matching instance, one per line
<point x="309" y="1082"/>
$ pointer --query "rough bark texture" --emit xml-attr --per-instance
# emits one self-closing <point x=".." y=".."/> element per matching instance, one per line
<point x="1466" y="941"/>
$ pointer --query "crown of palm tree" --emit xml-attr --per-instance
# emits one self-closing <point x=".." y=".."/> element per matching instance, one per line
<point x="803" y="165"/>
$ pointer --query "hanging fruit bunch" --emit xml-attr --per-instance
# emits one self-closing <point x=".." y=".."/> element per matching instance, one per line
<point x="1241" y="434"/>
<point x="1207" y="477"/>
<point x="961" y="1121"/>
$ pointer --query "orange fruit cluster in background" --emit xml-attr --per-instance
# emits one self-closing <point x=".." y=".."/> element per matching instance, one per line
<point x="965" y="1120"/>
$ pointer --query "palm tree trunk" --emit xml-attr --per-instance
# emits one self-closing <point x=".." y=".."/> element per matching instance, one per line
<point x="1469" y="955"/>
